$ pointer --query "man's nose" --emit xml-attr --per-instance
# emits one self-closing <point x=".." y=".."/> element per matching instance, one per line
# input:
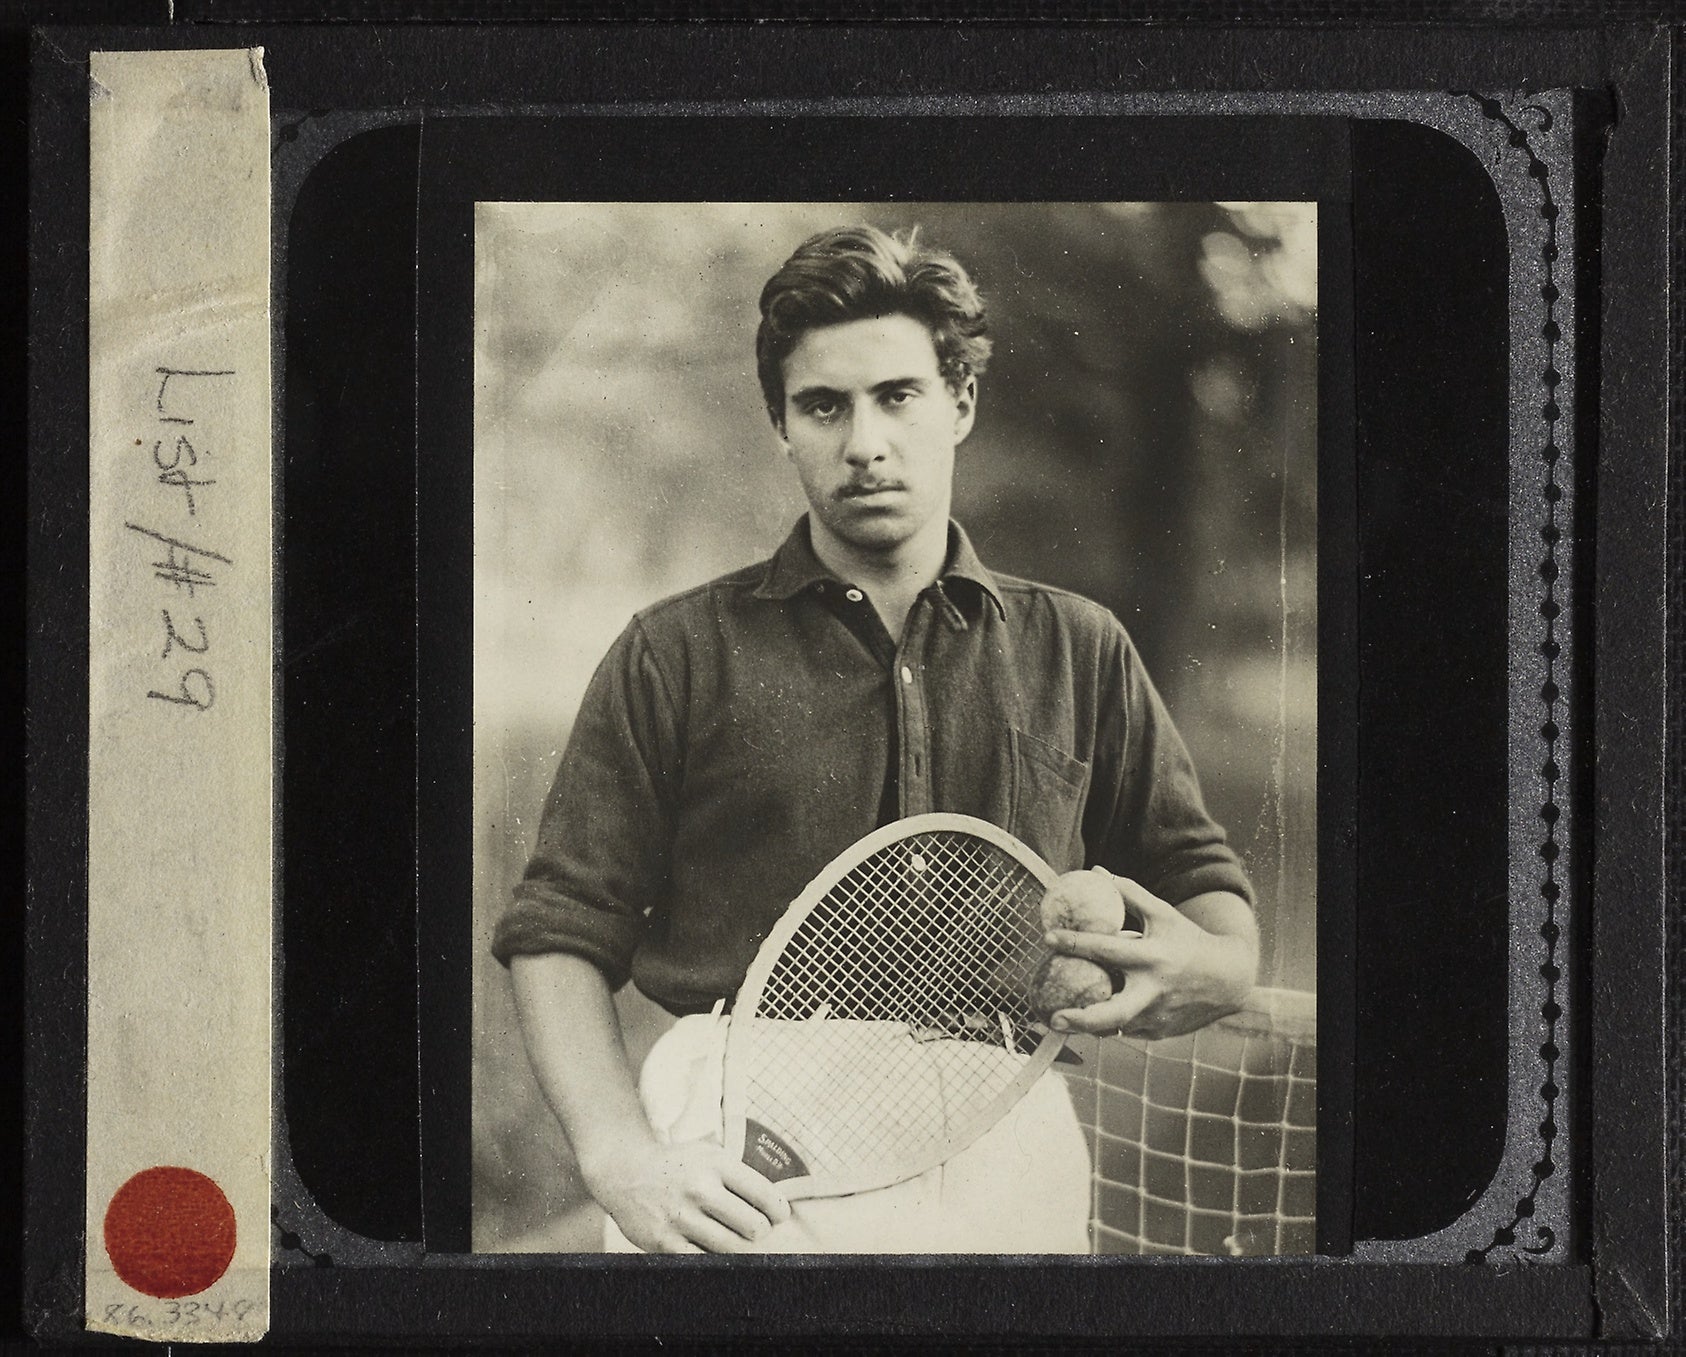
<point x="868" y="439"/>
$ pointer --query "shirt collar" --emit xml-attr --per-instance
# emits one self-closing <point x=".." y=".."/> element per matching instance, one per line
<point x="963" y="564"/>
<point x="795" y="568"/>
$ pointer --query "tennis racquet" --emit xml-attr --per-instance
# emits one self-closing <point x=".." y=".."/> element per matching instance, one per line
<point x="883" y="1025"/>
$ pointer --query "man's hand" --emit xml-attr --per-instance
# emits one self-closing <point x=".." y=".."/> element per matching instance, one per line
<point x="689" y="1198"/>
<point x="1189" y="967"/>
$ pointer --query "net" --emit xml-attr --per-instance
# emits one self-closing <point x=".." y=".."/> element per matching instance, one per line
<point x="1207" y="1143"/>
<point x="893" y="1025"/>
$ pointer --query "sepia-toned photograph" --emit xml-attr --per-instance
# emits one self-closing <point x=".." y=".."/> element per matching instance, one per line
<point x="895" y="733"/>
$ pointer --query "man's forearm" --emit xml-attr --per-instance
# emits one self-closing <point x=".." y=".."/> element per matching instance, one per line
<point x="1228" y="917"/>
<point x="666" y="1198"/>
<point x="573" y="1039"/>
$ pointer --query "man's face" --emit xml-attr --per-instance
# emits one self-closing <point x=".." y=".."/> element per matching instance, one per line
<point x="871" y="427"/>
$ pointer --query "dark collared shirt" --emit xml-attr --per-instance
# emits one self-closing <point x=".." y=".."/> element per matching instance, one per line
<point x="739" y="736"/>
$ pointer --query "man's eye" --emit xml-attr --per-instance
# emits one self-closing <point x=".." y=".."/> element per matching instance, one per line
<point x="824" y="411"/>
<point x="898" y="398"/>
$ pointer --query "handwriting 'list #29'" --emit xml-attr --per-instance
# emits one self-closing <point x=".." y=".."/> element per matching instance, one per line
<point x="185" y="568"/>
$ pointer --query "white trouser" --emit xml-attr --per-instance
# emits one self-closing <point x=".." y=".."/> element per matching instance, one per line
<point x="1021" y="1187"/>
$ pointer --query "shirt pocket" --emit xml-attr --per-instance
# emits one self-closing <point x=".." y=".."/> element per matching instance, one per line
<point x="1049" y="789"/>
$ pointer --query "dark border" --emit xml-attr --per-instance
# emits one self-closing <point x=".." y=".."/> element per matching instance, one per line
<point x="1630" y="1195"/>
<point x="1629" y="940"/>
<point x="56" y="586"/>
<point x="1337" y="729"/>
<point x="1430" y="718"/>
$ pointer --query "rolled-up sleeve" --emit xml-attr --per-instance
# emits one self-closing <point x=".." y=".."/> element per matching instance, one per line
<point x="1153" y="824"/>
<point x="600" y="867"/>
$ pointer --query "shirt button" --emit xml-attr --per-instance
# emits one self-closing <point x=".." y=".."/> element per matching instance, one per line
<point x="854" y="595"/>
<point x="907" y="674"/>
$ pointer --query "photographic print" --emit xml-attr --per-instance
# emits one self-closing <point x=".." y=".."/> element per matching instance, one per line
<point x="796" y="522"/>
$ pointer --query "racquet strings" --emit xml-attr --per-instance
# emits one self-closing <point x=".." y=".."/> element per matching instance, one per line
<point x="897" y="1013"/>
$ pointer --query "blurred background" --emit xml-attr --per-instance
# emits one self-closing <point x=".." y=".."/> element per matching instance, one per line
<point x="1146" y="436"/>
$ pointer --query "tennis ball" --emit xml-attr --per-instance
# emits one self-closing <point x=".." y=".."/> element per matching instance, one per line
<point x="1067" y="982"/>
<point x="1084" y="902"/>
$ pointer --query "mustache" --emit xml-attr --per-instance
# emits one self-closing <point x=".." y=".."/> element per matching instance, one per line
<point x="855" y="489"/>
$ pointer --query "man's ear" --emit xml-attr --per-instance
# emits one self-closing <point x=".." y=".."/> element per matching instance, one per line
<point x="965" y="408"/>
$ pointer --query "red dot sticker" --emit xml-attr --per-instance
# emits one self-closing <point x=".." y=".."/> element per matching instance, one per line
<point x="169" y="1232"/>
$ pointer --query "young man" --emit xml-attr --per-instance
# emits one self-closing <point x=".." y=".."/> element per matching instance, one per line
<point x="739" y="736"/>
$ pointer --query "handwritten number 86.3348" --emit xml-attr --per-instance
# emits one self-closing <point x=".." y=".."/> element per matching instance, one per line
<point x="186" y="1313"/>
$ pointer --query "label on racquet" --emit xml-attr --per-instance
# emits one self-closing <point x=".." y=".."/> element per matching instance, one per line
<point x="884" y="1024"/>
<point x="768" y="1155"/>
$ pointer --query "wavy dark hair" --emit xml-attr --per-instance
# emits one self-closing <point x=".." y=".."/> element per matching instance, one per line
<point x="857" y="273"/>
